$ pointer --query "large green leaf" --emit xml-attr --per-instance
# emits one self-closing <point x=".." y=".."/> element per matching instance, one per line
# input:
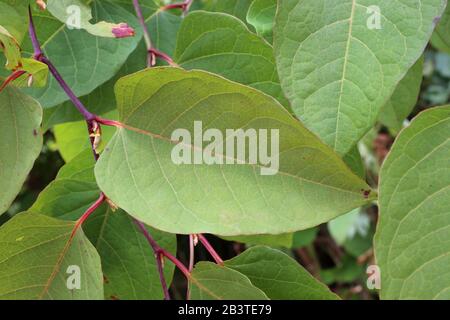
<point x="20" y="142"/>
<point x="136" y="170"/>
<point x="128" y="262"/>
<point x="279" y="276"/>
<point x="212" y="282"/>
<point x="403" y="100"/>
<point x="222" y="44"/>
<point x="412" y="243"/>
<point x="84" y="61"/>
<point x="261" y="15"/>
<point x="336" y="71"/>
<point x="38" y="255"/>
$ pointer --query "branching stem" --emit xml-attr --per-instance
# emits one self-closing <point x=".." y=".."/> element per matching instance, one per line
<point x="210" y="249"/>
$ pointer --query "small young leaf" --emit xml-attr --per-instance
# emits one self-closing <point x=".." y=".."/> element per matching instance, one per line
<point x="11" y="50"/>
<point x="261" y="15"/>
<point x="78" y="15"/>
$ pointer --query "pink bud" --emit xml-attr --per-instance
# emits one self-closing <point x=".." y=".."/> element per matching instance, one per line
<point x="123" y="31"/>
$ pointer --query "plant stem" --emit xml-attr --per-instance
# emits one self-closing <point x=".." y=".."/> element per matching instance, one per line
<point x="185" y="5"/>
<point x="210" y="249"/>
<point x="34" y="40"/>
<point x="159" y="256"/>
<point x="161" y="251"/>
<point x="151" y="58"/>
<point x="88" y="213"/>
<point x="39" y="55"/>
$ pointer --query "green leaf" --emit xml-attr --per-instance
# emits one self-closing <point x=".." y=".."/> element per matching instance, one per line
<point x="38" y="255"/>
<point x="304" y="238"/>
<point x="128" y="262"/>
<point x="222" y="44"/>
<point x="275" y="240"/>
<point x="36" y="69"/>
<point x="403" y="100"/>
<point x="163" y="28"/>
<point x="261" y="15"/>
<point x="237" y="8"/>
<point x="84" y="61"/>
<point x="11" y="49"/>
<point x="212" y="282"/>
<point x="348" y="225"/>
<point x="14" y="18"/>
<point x="336" y="71"/>
<point x="20" y="142"/>
<point x="279" y="276"/>
<point x="136" y="170"/>
<point x="441" y="38"/>
<point x="72" y="137"/>
<point x="355" y="162"/>
<point x="412" y="243"/>
<point x="78" y="15"/>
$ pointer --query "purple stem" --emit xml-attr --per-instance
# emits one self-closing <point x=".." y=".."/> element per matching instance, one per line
<point x="159" y="255"/>
<point x="150" y="56"/>
<point x="210" y="249"/>
<point x="39" y="55"/>
<point x="34" y="40"/>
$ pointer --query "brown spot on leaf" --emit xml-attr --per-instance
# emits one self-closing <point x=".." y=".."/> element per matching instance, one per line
<point x="366" y="193"/>
<point x="113" y="297"/>
<point x="35" y="133"/>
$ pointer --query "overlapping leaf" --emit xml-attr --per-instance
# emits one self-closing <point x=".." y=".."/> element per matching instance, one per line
<point x="85" y="61"/>
<point x="261" y="15"/>
<point x="20" y="142"/>
<point x="128" y="263"/>
<point x="41" y="259"/>
<point x="279" y="276"/>
<point x="412" y="244"/>
<point x="403" y="100"/>
<point x="212" y="282"/>
<point x="334" y="64"/>
<point x="222" y="44"/>
<point x="137" y="172"/>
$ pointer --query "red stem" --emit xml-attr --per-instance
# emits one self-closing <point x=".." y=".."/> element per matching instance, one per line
<point x="161" y="251"/>
<point x="12" y="77"/>
<point x="151" y="59"/>
<point x="88" y="213"/>
<point x="182" y="5"/>
<point x="210" y="249"/>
